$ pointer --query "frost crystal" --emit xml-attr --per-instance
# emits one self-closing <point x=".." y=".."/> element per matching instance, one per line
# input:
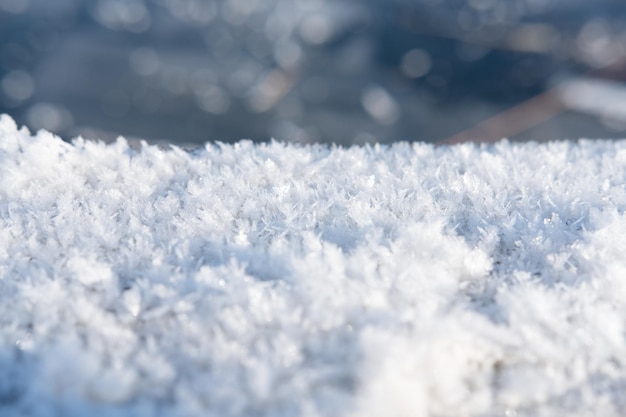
<point x="280" y="280"/>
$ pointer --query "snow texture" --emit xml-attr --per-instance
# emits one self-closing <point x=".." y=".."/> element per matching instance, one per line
<point x="283" y="280"/>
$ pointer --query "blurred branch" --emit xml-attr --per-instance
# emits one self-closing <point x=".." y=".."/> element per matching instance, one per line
<point x="581" y="94"/>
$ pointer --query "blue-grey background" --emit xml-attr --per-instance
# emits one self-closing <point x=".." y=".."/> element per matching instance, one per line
<point x="342" y="71"/>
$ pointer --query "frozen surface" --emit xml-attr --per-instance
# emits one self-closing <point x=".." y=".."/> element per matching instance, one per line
<point x="274" y="280"/>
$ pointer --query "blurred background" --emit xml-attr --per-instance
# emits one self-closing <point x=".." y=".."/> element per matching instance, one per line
<point x="341" y="71"/>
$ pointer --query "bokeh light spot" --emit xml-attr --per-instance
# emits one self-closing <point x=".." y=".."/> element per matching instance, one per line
<point x="18" y="85"/>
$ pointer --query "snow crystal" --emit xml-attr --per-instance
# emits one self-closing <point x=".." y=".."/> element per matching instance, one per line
<point x="283" y="280"/>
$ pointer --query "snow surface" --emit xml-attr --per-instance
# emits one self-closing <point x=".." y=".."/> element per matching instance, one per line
<point x="282" y="280"/>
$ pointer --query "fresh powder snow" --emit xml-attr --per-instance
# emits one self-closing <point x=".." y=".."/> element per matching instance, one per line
<point x="284" y="280"/>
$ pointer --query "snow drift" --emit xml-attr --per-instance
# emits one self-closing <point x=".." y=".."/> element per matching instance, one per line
<point x="282" y="280"/>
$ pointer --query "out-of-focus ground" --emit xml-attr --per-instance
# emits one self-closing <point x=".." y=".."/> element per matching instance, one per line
<point x="342" y="71"/>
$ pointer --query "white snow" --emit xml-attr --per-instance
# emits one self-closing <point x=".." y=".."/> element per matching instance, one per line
<point x="282" y="280"/>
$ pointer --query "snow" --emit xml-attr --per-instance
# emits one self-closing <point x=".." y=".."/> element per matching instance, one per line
<point x="284" y="280"/>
